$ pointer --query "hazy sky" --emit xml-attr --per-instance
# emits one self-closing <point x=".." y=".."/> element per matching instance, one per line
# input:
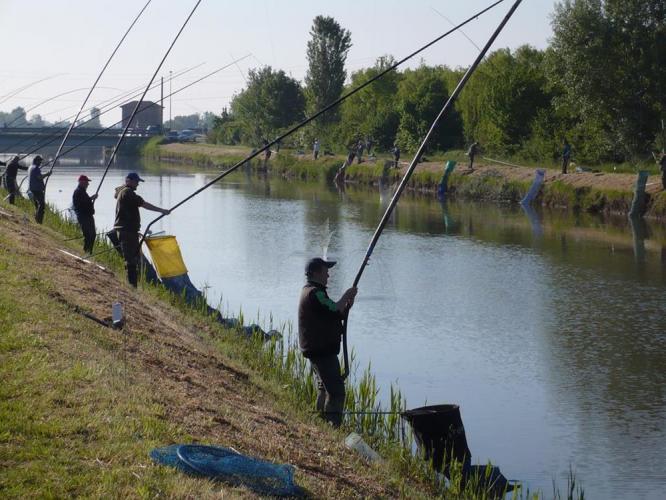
<point x="74" y="38"/>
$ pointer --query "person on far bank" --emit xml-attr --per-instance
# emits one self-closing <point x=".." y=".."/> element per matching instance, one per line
<point x="319" y="334"/>
<point x="10" y="177"/>
<point x="566" y="156"/>
<point x="128" y="223"/>
<point x="472" y="152"/>
<point x="37" y="187"/>
<point x="662" y="169"/>
<point x="84" y="208"/>
<point x="396" y="155"/>
<point x="315" y="149"/>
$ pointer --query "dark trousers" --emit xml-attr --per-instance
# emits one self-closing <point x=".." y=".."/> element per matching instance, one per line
<point x="40" y="204"/>
<point x="12" y="187"/>
<point x="129" y="246"/>
<point x="565" y="164"/>
<point x="87" y="223"/>
<point x="471" y="161"/>
<point x="331" y="397"/>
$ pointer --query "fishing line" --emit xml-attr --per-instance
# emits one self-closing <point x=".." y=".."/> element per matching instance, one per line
<point x="96" y="134"/>
<point x="25" y="87"/>
<point x="322" y="111"/>
<point x="99" y="76"/>
<point x="403" y="183"/>
<point x="110" y="105"/>
<point x="140" y="101"/>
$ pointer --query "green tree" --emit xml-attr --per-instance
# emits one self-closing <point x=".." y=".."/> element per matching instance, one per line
<point x="271" y="102"/>
<point x="504" y="98"/>
<point x="421" y="95"/>
<point x="326" y="53"/>
<point x="372" y="112"/>
<point x="608" y="58"/>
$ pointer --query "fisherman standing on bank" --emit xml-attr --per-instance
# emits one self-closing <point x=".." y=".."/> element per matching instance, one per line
<point x="10" y="177"/>
<point x="662" y="169"/>
<point x="37" y="187"/>
<point x="319" y="334"/>
<point x="472" y="152"/>
<point x="85" y="210"/>
<point x="128" y="223"/>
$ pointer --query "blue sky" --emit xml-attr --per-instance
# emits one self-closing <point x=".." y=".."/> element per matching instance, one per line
<point x="74" y="38"/>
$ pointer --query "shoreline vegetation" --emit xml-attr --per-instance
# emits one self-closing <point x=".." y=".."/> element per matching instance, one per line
<point x="82" y="405"/>
<point x="593" y="191"/>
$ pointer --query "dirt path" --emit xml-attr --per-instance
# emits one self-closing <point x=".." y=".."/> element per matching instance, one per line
<point x="214" y="399"/>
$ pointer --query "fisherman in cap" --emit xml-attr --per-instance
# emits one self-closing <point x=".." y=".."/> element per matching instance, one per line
<point x="128" y="223"/>
<point x="10" y="177"/>
<point x="319" y="333"/>
<point x="85" y="210"/>
<point x="37" y="187"/>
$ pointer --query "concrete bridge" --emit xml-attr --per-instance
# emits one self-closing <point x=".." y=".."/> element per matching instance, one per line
<point x="16" y="140"/>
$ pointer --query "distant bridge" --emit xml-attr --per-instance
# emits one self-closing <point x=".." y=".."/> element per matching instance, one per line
<point x="18" y="140"/>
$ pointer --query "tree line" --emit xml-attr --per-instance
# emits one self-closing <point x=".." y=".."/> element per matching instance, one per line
<point x="599" y="84"/>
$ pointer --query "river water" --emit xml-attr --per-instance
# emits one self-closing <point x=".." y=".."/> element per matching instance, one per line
<point x="548" y="330"/>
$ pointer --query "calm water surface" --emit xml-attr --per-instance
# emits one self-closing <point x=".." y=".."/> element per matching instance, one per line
<point x="548" y="331"/>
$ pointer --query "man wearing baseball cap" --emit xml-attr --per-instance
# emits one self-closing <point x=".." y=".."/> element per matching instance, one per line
<point x="128" y="223"/>
<point x="319" y="334"/>
<point x="85" y="211"/>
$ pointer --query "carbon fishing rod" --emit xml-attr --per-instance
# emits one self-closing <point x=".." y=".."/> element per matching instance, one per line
<point x="138" y="104"/>
<point x="321" y="112"/>
<point x="412" y="166"/>
<point x="83" y="104"/>
<point x="109" y="104"/>
<point x="88" y="139"/>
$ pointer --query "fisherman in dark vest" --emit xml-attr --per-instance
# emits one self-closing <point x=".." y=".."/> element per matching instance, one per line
<point x="85" y="210"/>
<point x="128" y="223"/>
<point x="319" y="334"/>
<point x="472" y="152"/>
<point x="10" y="177"/>
<point x="37" y="187"/>
<point x="662" y="169"/>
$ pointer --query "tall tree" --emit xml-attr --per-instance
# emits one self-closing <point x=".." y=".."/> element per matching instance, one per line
<point x="608" y="57"/>
<point x="421" y="95"/>
<point x="372" y="112"/>
<point x="271" y="102"/>
<point x="326" y="53"/>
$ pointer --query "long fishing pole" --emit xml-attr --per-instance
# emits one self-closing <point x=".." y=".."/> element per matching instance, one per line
<point x="83" y="104"/>
<point x="140" y="101"/>
<point x="321" y="112"/>
<point x="88" y="139"/>
<point x="109" y="104"/>
<point x="403" y="183"/>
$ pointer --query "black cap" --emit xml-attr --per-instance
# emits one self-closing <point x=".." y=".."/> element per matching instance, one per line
<point x="317" y="263"/>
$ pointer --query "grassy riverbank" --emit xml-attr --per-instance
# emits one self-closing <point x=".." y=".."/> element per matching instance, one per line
<point x="82" y="405"/>
<point x="592" y="192"/>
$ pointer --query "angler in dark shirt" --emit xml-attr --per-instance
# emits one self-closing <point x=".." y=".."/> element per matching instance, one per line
<point x="10" y="177"/>
<point x="128" y="223"/>
<point x="85" y="211"/>
<point x="319" y="334"/>
<point x="37" y="187"/>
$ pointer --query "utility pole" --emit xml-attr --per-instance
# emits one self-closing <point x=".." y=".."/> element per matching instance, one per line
<point x="170" y="84"/>
<point x="162" y="104"/>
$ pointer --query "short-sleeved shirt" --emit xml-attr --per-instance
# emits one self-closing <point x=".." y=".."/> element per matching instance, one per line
<point x="127" y="209"/>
